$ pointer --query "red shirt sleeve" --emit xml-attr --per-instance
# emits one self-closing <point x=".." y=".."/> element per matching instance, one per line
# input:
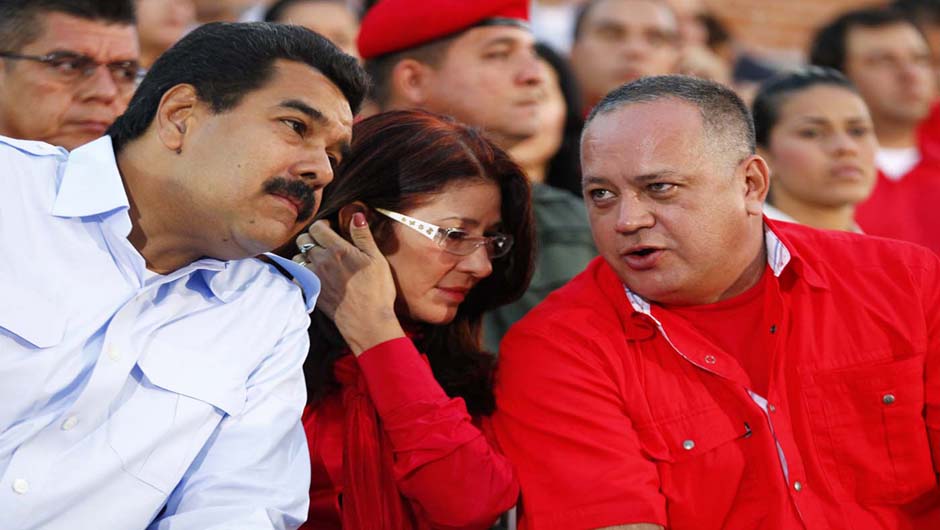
<point x="561" y="420"/>
<point x="930" y="283"/>
<point x="443" y="463"/>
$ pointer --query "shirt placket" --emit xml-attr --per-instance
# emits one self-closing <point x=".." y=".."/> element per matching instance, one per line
<point x="723" y="365"/>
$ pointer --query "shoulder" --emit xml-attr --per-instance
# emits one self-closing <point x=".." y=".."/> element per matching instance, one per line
<point x="848" y="258"/>
<point x="589" y="307"/>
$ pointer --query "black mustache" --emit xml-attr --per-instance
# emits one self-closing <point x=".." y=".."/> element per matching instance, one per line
<point x="297" y="190"/>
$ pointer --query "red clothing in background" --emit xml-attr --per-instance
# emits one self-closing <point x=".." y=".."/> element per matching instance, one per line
<point x="614" y="411"/>
<point x="444" y="466"/>
<point x="909" y="208"/>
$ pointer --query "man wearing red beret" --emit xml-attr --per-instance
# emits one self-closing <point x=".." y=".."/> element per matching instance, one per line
<point x="474" y="61"/>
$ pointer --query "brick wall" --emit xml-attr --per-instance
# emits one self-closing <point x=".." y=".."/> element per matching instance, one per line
<point x="779" y="28"/>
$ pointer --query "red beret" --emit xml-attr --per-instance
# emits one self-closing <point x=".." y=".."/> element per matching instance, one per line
<point x="396" y="25"/>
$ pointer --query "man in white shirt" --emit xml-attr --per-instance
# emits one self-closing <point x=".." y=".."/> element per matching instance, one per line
<point x="150" y="368"/>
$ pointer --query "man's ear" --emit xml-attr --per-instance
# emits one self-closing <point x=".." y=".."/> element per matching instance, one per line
<point x="175" y="115"/>
<point x="757" y="183"/>
<point x="411" y="82"/>
<point x="346" y="213"/>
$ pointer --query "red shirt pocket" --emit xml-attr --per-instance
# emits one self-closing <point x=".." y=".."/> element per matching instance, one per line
<point x="869" y="431"/>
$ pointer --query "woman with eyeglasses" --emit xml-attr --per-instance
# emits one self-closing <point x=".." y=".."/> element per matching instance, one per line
<point x="425" y="227"/>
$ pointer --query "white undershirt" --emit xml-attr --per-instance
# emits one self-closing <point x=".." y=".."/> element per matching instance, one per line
<point x="895" y="162"/>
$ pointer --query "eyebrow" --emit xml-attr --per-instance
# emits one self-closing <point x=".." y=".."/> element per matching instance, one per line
<point x="463" y="220"/>
<point x="501" y="41"/>
<point x="311" y="112"/>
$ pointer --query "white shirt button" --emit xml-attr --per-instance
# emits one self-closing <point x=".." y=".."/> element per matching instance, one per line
<point x="710" y="359"/>
<point x="113" y="353"/>
<point x="688" y="445"/>
<point x="20" y="486"/>
<point x="771" y="408"/>
<point x="797" y="485"/>
<point x="69" y="423"/>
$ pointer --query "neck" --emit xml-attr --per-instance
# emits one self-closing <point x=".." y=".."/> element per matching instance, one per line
<point x="815" y="215"/>
<point x="751" y="274"/>
<point x="155" y="214"/>
<point x="895" y="134"/>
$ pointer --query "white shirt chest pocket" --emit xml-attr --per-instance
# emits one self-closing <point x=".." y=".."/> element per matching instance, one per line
<point x="168" y="416"/>
<point x="29" y="319"/>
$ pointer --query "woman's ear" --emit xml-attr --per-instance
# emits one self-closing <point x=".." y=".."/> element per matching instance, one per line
<point x="346" y="213"/>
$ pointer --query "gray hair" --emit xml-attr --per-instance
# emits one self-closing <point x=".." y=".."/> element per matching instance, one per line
<point x="727" y="123"/>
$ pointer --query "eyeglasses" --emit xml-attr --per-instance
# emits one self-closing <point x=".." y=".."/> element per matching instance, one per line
<point x="72" y="66"/>
<point x="454" y="240"/>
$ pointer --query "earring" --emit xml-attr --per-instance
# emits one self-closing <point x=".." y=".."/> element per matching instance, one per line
<point x="179" y="150"/>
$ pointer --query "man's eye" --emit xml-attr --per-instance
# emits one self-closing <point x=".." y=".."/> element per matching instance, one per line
<point x="497" y="54"/>
<point x="600" y="194"/>
<point x="298" y="126"/>
<point x="69" y="64"/>
<point x="661" y="187"/>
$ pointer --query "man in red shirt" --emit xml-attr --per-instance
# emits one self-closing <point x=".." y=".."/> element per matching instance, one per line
<point x="888" y="59"/>
<point x="713" y="369"/>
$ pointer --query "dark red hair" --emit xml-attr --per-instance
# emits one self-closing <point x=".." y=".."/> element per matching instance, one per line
<point x="399" y="160"/>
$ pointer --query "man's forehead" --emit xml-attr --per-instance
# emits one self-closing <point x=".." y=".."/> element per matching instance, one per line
<point x="642" y="132"/>
<point x="634" y="13"/>
<point x="863" y="39"/>
<point x="99" y="39"/>
<point x="302" y="88"/>
<point x="483" y="36"/>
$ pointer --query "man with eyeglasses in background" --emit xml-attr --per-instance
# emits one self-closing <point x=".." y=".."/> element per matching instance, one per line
<point x="67" y="68"/>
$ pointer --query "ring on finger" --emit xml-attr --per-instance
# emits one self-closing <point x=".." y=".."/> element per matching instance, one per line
<point x="307" y="247"/>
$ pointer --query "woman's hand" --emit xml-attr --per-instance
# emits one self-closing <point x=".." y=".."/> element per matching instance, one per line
<point x="357" y="290"/>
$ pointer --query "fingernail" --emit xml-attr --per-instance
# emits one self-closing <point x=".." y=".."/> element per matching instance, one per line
<point x="359" y="220"/>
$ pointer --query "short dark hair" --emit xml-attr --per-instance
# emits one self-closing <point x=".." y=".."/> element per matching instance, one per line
<point x="275" y="13"/>
<point x="775" y="92"/>
<point x="225" y="61"/>
<point x="398" y="161"/>
<point x="725" y="117"/>
<point x="20" y="22"/>
<point x="380" y="68"/>
<point x="829" y="44"/>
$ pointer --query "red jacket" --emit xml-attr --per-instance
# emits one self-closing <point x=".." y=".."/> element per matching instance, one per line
<point x="614" y="411"/>
<point x="444" y="465"/>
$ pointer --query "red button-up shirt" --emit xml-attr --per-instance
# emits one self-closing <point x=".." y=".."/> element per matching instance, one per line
<point x="616" y="411"/>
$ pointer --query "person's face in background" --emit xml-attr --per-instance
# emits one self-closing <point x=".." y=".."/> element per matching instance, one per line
<point x="891" y="67"/>
<point x="161" y="23"/>
<point x="623" y="40"/>
<point x="62" y="107"/>
<point x="431" y="282"/>
<point x="490" y="78"/>
<point x="534" y="153"/>
<point x="330" y="18"/>
<point x="821" y="152"/>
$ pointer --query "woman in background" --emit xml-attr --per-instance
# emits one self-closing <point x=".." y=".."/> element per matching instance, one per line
<point x="397" y="380"/>
<point x="816" y="134"/>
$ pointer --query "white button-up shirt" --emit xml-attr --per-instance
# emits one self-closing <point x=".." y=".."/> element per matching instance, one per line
<point x="130" y="399"/>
